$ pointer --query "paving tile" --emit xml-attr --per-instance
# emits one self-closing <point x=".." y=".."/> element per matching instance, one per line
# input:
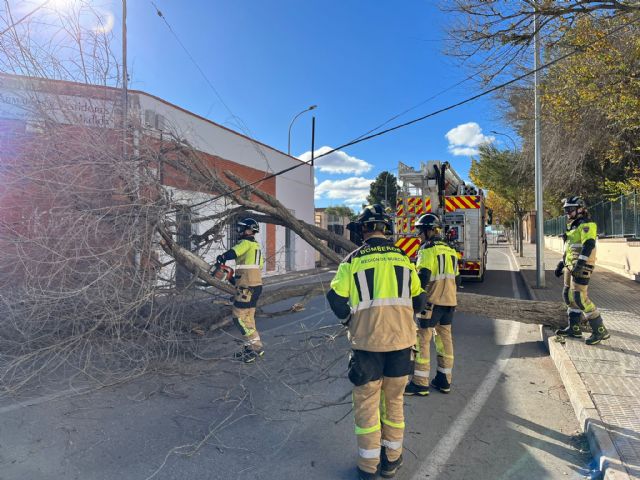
<point x="610" y="371"/>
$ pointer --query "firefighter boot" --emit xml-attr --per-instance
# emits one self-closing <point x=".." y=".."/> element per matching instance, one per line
<point x="388" y="468"/>
<point x="248" y="354"/>
<point x="599" y="331"/>
<point x="415" y="389"/>
<point x="441" y="383"/>
<point x="573" y="329"/>
<point x="362" y="475"/>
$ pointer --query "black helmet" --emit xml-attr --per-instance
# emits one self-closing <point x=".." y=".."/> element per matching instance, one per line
<point x="428" y="221"/>
<point x="373" y="214"/>
<point x="375" y="218"/>
<point x="573" y="202"/>
<point x="247" y="224"/>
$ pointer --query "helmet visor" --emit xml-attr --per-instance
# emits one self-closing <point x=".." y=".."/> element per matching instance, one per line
<point x="569" y="209"/>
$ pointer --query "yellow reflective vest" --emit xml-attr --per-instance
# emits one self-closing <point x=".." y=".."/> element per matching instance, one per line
<point x="578" y="232"/>
<point x="442" y="261"/>
<point x="380" y="281"/>
<point x="249" y="263"/>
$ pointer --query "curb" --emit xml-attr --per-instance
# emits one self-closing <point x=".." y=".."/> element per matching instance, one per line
<point x="600" y="442"/>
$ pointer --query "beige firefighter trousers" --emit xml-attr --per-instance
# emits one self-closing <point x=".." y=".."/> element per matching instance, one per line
<point x="243" y="313"/>
<point x="379" y="418"/>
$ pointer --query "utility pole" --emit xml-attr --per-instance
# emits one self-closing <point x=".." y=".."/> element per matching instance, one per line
<point x="125" y="79"/>
<point x="540" y="274"/>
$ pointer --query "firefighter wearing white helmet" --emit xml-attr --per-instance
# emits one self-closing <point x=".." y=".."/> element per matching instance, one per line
<point x="248" y="281"/>
<point x="437" y="266"/>
<point x="376" y="290"/>
<point x="578" y="265"/>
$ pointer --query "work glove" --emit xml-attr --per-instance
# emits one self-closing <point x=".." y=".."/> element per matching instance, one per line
<point x="580" y="269"/>
<point x="220" y="260"/>
<point x="559" y="268"/>
<point x="563" y="237"/>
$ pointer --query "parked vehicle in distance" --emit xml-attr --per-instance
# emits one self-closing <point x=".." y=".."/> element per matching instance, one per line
<point x="502" y="238"/>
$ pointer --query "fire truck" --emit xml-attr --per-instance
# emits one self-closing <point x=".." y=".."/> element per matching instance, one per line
<point x="437" y="188"/>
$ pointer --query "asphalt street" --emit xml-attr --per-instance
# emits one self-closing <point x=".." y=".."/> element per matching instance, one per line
<point x="289" y="415"/>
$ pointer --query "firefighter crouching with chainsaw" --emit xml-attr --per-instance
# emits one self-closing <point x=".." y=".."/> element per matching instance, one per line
<point x="248" y="282"/>
<point x="578" y="264"/>
<point x="437" y="266"/>
<point x="376" y="289"/>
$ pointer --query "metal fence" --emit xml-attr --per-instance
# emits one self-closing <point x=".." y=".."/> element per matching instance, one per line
<point x="616" y="218"/>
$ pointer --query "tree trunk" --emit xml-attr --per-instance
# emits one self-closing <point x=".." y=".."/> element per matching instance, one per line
<point x="520" y="235"/>
<point x="525" y="311"/>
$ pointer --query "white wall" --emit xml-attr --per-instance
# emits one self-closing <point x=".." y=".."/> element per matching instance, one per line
<point x="294" y="188"/>
<point x="619" y="255"/>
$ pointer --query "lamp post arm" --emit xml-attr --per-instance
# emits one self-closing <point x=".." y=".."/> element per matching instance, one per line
<point x="312" y="107"/>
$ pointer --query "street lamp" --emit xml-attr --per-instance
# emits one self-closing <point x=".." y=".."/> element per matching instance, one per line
<point x="540" y="277"/>
<point x="515" y="148"/>
<point x="312" y="107"/>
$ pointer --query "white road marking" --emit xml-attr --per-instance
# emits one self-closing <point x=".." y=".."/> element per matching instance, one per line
<point x="435" y="463"/>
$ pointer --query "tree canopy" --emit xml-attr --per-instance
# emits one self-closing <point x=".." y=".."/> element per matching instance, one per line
<point x="494" y="36"/>
<point x="592" y="107"/>
<point x="499" y="172"/>
<point x="384" y="187"/>
<point x="340" y="211"/>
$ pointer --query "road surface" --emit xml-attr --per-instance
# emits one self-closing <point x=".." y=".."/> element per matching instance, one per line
<point x="288" y="416"/>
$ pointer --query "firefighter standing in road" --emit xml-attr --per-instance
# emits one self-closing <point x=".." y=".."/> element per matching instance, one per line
<point x="248" y="281"/>
<point x="377" y="289"/>
<point x="437" y="266"/>
<point x="578" y="264"/>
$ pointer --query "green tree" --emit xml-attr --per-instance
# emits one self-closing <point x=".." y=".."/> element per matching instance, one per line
<point x="385" y="186"/>
<point x="500" y="172"/>
<point x="340" y="211"/>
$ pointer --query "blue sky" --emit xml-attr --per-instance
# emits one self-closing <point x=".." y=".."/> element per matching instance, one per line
<point x="360" y="61"/>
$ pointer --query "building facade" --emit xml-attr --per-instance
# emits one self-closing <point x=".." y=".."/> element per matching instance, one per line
<point x="27" y="105"/>
<point x="334" y="223"/>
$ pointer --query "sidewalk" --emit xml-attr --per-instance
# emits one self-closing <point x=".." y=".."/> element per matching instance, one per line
<point x="602" y="381"/>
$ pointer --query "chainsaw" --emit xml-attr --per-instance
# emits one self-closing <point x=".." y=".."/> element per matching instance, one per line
<point x="223" y="273"/>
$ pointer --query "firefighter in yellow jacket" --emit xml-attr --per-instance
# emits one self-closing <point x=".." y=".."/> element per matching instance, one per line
<point x="377" y="289"/>
<point x="248" y="282"/>
<point x="578" y="264"/>
<point x="437" y="266"/>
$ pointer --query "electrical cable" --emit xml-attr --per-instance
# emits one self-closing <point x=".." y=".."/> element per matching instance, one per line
<point x="241" y="124"/>
<point x="432" y="114"/>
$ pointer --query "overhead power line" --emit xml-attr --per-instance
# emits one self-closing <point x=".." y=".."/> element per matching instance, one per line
<point x="241" y="124"/>
<point x="429" y="115"/>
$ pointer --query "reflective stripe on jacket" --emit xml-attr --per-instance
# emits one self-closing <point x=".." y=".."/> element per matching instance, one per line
<point x="442" y="261"/>
<point x="380" y="281"/>
<point x="578" y="232"/>
<point x="249" y="263"/>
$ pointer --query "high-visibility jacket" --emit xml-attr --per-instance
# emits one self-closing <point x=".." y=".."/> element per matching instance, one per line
<point x="379" y="281"/>
<point x="249" y="263"/>
<point x="442" y="262"/>
<point x="581" y="242"/>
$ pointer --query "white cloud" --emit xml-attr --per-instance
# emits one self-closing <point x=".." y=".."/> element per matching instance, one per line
<point x="337" y="162"/>
<point x="466" y="151"/>
<point x="351" y="191"/>
<point x="466" y="138"/>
